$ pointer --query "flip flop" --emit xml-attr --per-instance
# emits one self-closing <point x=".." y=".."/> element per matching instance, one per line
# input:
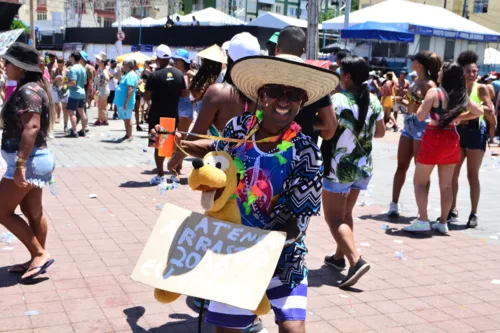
<point x="43" y="269"/>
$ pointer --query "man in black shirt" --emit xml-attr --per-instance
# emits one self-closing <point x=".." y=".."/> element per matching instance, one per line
<point x="164" y="87"/>
<point x="317" y="119"/>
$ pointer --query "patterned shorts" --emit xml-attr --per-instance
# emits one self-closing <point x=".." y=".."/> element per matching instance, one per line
<point x="287" y="304"/>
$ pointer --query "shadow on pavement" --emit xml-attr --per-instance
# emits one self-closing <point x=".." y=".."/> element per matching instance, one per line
<point x="134" y="184"/>
<point x="385" y="218"/>
<point x="8" y="279"/>
<point x="400" y="233"/>
<point x="135" y="313"/>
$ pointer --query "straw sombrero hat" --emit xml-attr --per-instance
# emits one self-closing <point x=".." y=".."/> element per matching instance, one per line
<point x="251" y="73"/>
<point x="214" y="53"/>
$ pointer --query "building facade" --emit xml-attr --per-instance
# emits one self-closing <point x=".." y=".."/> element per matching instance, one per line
<point x="88" y="13"/>
<point x="484" y="12"/>
<point x="247" y="10"/>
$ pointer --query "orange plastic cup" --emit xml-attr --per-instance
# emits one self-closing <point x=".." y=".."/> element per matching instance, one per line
<point x="166" y="142"/>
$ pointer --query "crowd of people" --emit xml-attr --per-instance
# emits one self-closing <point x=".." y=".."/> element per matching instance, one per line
<point x="270" y="124"/>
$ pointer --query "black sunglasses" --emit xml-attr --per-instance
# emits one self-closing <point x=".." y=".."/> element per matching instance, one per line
<point x="277" y="91"/>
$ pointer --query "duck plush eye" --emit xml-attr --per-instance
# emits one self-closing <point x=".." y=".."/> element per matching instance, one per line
<point x="220" y="162"/>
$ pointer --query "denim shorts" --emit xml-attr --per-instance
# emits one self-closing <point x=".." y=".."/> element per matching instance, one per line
<point x="414" y="129"/>
<point x="125" y="114"/>
<point x="39" y="167"/>
<point x="345" y="188"/>
<point x="74" y="104"/>
<point x="185" y="108"/>
<point x="473" y="136"/>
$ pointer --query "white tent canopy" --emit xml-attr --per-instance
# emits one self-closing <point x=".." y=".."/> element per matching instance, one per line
<point x="149" y="22"/>
<point x="163" y="20"/>
<point x="128" y="22"/>
<point x="406" y="12"/>
<point x="491" y="56"/>
<point x="211" y="16"/>
<point x="277" y="21"/>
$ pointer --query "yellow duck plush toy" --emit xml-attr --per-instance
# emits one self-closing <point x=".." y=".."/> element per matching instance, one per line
<point x="216" y="177"/>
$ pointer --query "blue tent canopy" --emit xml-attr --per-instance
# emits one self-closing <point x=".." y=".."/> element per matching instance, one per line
<point x="379" y="31"/>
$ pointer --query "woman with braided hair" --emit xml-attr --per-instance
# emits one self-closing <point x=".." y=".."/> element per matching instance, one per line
<point x="210" y="69"/>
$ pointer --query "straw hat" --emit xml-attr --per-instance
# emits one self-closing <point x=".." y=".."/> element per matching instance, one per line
<point x="101" y="56"/>
<point x="214" y="53"/>
<point x="251" y="73"/>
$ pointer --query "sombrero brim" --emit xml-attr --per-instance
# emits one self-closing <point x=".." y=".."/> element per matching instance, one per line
<point x="251" y="73"/>
<point x="214" y="53"/>
<point x="22" y="65"/>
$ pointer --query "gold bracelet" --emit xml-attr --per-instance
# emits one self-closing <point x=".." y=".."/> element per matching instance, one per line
<point x="21" y="160"/>
<point x="21" y="167"/>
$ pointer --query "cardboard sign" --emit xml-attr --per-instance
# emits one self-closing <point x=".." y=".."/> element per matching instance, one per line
<point x="196" y="255"/>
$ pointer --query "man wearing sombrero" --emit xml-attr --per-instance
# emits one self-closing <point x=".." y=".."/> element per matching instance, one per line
<point x="284" y="164"/>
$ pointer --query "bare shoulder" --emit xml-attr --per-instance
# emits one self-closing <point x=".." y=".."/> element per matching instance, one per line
<point x="219" y="92"/>
<point x="430" y="85"/>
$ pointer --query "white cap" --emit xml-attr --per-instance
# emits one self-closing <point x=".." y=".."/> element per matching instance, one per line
<point x="491" y="77"/>
<point x="243" y="45"/>
<point x="413" y="74"/>
<point x="225" y="46"/>
<point x="163" y="52"/>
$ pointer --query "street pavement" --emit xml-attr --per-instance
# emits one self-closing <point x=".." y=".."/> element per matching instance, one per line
<point x="439" y="284"/>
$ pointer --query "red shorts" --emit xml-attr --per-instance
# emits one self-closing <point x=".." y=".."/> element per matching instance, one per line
<point x="439" y="146"/>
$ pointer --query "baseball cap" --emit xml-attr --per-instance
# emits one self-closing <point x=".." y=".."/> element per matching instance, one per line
<point x="274" y="38"/>
<point x="181" y="54"/>
<point x="492" y="76"/>
<point x="163" y="52"/>
<point x="403" y="72"/>
<point x="413" y="74"/>
<point x="84" y="56"/>
<point x="243" y="45"/>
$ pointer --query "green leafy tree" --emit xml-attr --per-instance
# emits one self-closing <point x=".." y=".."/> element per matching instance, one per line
<point x="329" y="14"/>
<point x="18" y="24"/>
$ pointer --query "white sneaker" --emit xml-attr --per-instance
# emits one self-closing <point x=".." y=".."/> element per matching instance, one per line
<point x="418" y="226"/>
<point x="393" y="210"/>
<point x="157" y="180"/>
<point x="440" y="227"/>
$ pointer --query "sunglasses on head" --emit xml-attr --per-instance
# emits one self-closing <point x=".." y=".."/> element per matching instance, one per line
<point x="277" y="91"/>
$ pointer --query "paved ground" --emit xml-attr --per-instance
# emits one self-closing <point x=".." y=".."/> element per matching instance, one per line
<point x="444" y="285"/>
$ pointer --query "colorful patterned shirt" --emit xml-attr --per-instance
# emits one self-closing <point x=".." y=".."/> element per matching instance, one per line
<point x="291" y="191"/>
<point x="350" y="153"/>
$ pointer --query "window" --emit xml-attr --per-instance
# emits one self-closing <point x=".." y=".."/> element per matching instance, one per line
<point x="292" y="11"/>
<point x="380" y="49"/>
<point x="146" y="11"/>
<point x="278" y="10"/>
<point x="480" y="6"/>
<point x="107" y="23"/>
<point x="41" y="2"/>
<point x="472" y="46"/>
<point x="265" y="7"/>
<point x="425" y="43"/>
<point x="41" y="16"/>
<point x="398" y="50"/>
<point x="392" y="50"/>
<point x="449" y="49"/>
<point x="365" y="5"/>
